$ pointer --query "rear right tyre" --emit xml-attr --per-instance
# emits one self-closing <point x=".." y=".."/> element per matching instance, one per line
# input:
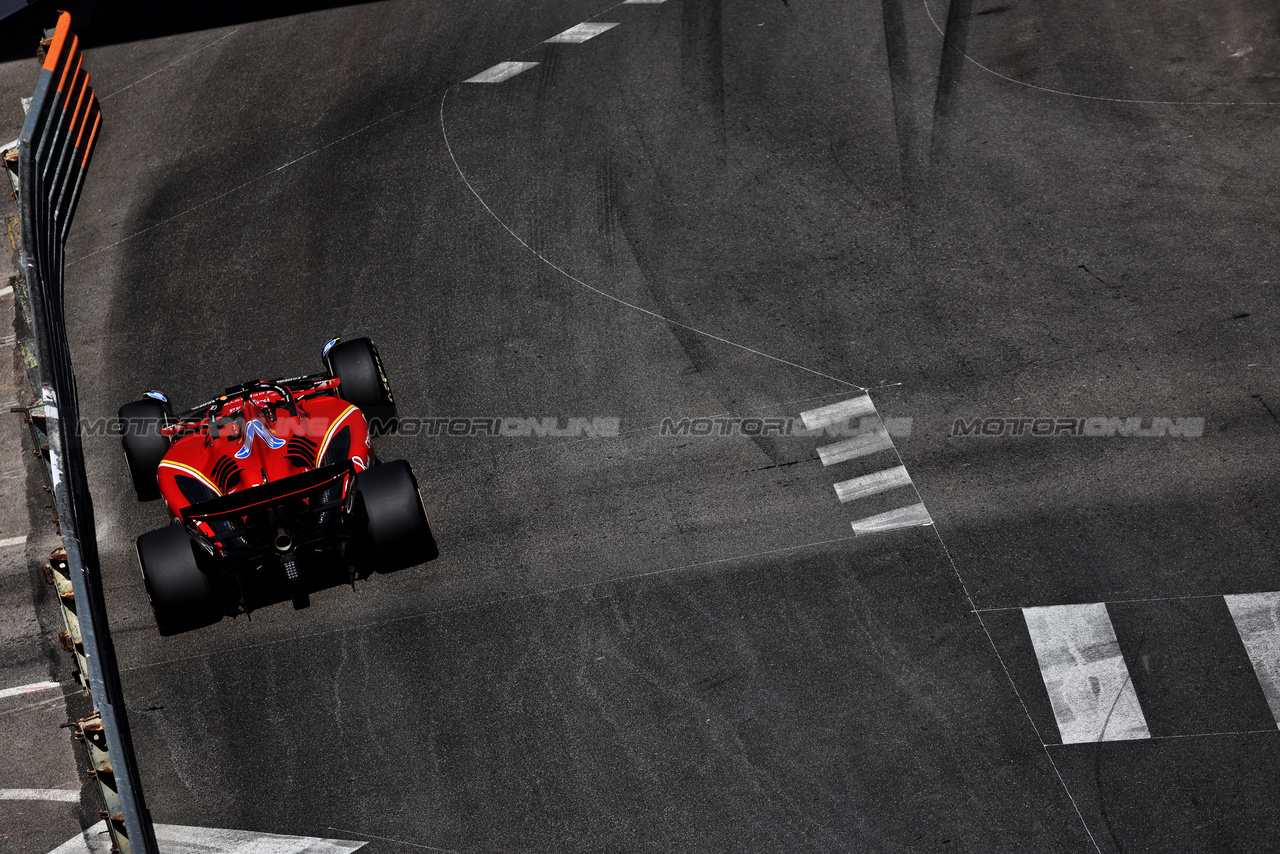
<point x="364" y="382"/>
<point x="399" y="534"/>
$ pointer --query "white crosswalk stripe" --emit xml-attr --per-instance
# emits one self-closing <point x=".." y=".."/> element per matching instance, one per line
<point x="872" y="439"/>
<point x="854" y="407"/>
<point x="1257" y="619"/>
<point x="1085" y="674"/>
<point x="864" y="444"/>
<point x="872" y="484"/>
<point x="914" y="516"/>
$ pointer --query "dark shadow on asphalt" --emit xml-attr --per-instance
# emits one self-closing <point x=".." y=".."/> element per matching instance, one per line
<point x="104" y="22"/>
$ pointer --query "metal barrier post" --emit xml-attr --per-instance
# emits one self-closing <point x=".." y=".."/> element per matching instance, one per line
<point x="53" y="154"/>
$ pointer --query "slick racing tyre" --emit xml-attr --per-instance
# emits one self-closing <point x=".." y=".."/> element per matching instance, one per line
<point x="144" y="447"/>
<point x="364" y="382"/>
<point x="181" y="595"/>
<point x="399" y="534"/>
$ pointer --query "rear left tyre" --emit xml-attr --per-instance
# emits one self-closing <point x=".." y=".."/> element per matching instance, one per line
<point x="144" y="446"/>
<point x="182" y="596"/>
<point x="395" y="520"/>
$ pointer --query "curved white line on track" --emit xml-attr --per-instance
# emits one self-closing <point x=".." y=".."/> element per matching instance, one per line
<point x="1084" y="97"/>
<point x="393" y="114"/>
<point x="603" y="293"/>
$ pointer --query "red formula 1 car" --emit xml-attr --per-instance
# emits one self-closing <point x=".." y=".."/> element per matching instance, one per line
<point x="269" y="484"/>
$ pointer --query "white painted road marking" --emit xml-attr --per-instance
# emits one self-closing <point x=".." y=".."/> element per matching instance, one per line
<point x="65" y="796"/>
<point x="641" y="2"/>
<point x="872" y="484"/>
<point x="501" y="71"/>
<point x="864" y="444"/>
<point x="1085" y="674"/>
<point x="91" y="840"/>
<point x="915" y="516"/>
<point x="22" y="690"/>
<point x="176" y="839"/>
<point x="6" y="291"/>
<point x="859" y="446"/>
<point x="855" y="407"/>
<point x="13" y="541"/>
<point x="1257" y="618"/>
<point x="580" y="33"/>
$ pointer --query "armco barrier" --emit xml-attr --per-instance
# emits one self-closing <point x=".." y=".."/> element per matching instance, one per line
<point x="53" y="154"/>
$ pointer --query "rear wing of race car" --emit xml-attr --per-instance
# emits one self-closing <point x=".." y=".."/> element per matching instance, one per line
<point x="302" y="510"/>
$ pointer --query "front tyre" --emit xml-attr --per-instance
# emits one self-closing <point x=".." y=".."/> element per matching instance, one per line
<point x="144" y="446"/>
<point x="364" y="382"/>
<point x="181" y="595"/>
<point x="399" y="534"/>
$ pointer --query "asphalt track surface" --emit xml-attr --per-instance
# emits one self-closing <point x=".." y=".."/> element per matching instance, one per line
<point x="657" y="643"/>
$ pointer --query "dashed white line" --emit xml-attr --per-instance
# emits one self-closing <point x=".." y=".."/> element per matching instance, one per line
<point x="642" y="2"/>
<point x="9" y="542"/>
<point x="854" y="407"/>
<point x="872" y="484"/>
<point x="914" y="516"/>
<point x="65" y="796"/>
<point x="501" y="71"/>
<point x="861" y="445"/>
<point x="580" y="33"/>
<point x="23" y="690"/>
<point x="1084" y="672"/>
<point x="1257" y="618"/>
